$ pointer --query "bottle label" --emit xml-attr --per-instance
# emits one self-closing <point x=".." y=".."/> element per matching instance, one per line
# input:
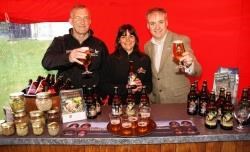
<point x="211" y="118"/>
<point x="192" y="106"/>
<point x="227" y="119"/>
<point x="116" y="110"/>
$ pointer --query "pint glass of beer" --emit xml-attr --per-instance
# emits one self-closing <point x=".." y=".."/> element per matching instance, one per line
<point x="178" y="49"/>
<point x="126" y="125"/>
<point x="115" y="122"/>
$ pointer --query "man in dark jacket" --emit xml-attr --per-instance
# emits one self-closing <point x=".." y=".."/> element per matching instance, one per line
<point x="66" y="53"/>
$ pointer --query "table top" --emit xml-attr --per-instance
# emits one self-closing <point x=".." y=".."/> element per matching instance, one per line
<point x="159" y="113"/>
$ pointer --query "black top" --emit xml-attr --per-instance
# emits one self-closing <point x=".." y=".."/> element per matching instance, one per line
<point x="116" y="73"/>
<point x="56" y="58"/>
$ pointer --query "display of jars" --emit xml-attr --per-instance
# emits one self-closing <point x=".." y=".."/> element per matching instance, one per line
<point x="17" y="102"/>
<point x="8" y="128"/>
<point x="22" y="129"/>
<point x="21" y="117"/>
<point x="53" y="128"/>
<point x="37" y="116"/>
<point x="43" y="101"/>
<point x="37" y="128"/>
<point x="53" y="116"/>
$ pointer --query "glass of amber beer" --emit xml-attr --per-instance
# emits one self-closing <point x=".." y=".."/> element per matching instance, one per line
<point x="126" y="125"/>
<point x="178" y="49"/>
<point x="115" y="122"/>
<point x="133" y="119"/>
<point x="143" y="124"/>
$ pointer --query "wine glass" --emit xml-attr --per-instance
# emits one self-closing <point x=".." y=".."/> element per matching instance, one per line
<point x="87" y="62"/>
<point x="178" y="49"/>
<point x="241" y="114"/>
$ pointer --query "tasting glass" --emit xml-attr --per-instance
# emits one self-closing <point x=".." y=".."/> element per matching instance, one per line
<point x="241" y="114"/>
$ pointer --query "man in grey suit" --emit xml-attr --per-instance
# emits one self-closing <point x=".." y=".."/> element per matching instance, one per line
<point x="169" y="85"/>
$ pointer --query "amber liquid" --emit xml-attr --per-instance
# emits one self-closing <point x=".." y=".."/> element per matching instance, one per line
<point x="142" y="126"/>
<point x="115" y="125"/>
<point x="133" y="120"/>
<point x="126" y="128"/>
<point x="178" y="49"/>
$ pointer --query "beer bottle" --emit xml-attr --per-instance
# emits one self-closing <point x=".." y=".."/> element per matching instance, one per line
<point x="90" y="105"/>
<point x="211" y="112"/>
<point x="226" y="122"/>
<point x="130" y="101"/>
<point x="54" y="89"/>
<point x="203" y="99"/>
<point x="219" y="103"/>
<point x="34" y="85"/>
<point x="25" y="90"/>
<point x="244" y="102"/>
<point x="192" y="103"/>
<point x="97" y="100"/>
<point x="131" y="75"/>
<point x="67" y="85"/>
<point x="116" y="103"/>
<point x="144" y="100"/>
<point x="52" y="80"/>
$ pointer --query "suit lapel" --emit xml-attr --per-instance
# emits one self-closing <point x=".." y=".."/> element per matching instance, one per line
<point x="152" y="55"/>
<point x="167" y="50"/>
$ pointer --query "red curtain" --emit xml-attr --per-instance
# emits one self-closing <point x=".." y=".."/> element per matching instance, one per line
<point x="219" y="30"/>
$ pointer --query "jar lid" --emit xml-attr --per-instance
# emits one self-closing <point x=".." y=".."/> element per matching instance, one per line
<point x="43" y="95"/>
<point x="7" y="125"/>
<point x="21" y="125"/>
<point x="53" y="111"/>
<point x="16" y="94"/>
<point x="20" y="114"/>
<point x="2" y="121"/>
<point x="53" y="125"/>
<point x="36" y="113"/>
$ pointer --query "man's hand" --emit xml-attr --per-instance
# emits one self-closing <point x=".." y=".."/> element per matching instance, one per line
<point x="186" y="59"/>
<point x="138" y="86"/>
<point x="77" y="55"/>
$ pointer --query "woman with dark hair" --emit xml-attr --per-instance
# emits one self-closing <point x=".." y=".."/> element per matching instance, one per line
<point x="117" y="68"/>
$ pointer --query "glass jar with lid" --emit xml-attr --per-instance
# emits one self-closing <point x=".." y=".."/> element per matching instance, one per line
<point x="21" y="117"/>
<point x="37" y="116"/>
<point x="22" y="129"/>
<point x="8" y="128"/>
<point x="53" y="128"/>
<point x="17" y="102"/>
<point x="38" y="128"/>
<point x="53" y="116"/>
<point x="43" y="101"/>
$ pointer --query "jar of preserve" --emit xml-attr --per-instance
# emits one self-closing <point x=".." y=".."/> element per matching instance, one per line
<point x="17" y="102"/>
<point x="38" y="128"/>
<point x="37" y="116"/>
<point x="53" y="128"/>
<point x="21" y="117"/>
<point x="8" y="128"/>
<point x="1" y="129"/>
<point x="53" y="116"/>
<point x="43" y="101"/>
<point x="22" y="129"/>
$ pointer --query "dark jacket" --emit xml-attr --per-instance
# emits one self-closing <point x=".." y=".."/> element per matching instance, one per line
<point x="56" y="58"/>
<point x="116" y="73"/>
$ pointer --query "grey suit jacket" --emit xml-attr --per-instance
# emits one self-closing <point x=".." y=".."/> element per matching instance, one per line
<point x="168" y="85"/>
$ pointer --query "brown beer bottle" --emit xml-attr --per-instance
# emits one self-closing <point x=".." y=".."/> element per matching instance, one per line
<point x="116" y="103"/>
<point x="131" y="75"/>
<point x="130" y="102"/>
<point x="97" y="100"/>
<point x="226" y="122"/>
<point x="219" y="103"/>
<point x="90" y="105"/>
<point x="144" y="100"/>
<point x="211" y="112"/>
<point x="203" y="99"/>
<point x="192" y="103"/>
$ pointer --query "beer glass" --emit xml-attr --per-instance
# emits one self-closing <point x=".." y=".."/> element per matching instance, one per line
<point x="178" y="49"/>
<point x="115" y="122"/>
<point x="241" y="114"/>
<point x="133" y="119"/>
<point x="143" y="124"/>
<point x="86" y="63"/>
<point x="126" y="125"/>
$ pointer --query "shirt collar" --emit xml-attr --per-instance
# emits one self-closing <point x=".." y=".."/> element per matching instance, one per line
<point x="155" y="42"/>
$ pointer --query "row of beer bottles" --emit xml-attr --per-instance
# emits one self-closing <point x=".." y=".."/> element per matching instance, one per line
<point x="117" y="107"/>
<point x="92" y="101"/>
<point x="48" y="84"/>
